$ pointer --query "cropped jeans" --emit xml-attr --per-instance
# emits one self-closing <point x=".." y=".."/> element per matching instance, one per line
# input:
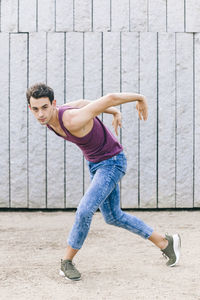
<point x="104" y="193"/>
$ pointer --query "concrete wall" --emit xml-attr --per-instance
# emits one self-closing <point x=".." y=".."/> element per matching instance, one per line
<point x="84" y="49"/>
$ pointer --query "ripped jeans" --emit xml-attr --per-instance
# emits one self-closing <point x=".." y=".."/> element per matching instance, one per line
<point x="103" y="193"/>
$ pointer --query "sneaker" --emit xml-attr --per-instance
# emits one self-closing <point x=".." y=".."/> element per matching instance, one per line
<point x="172" y="251"/>
<point x="69" y="271"/>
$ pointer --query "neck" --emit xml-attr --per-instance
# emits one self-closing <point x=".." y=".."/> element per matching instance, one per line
<point x="54" y="121"/>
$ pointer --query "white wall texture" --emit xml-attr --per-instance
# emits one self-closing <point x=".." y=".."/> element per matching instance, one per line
<point x="85" y="49"/>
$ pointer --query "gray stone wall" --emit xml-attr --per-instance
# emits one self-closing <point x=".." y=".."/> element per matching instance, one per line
<point x="85" y="49"/>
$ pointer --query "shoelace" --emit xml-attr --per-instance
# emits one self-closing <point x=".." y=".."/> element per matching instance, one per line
<point x="70" y="265"/>
<point x="164" y="255"/>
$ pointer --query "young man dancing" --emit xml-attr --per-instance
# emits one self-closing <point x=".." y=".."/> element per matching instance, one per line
<point x="78" y="123"/>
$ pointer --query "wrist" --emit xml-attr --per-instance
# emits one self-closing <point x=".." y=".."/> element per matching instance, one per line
<point x="116" y="112"/>
<point x="141" y="98"/>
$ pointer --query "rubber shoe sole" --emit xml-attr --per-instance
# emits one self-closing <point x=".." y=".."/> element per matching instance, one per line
<point x="61" y="273"/>
<point x="176" y="247"/>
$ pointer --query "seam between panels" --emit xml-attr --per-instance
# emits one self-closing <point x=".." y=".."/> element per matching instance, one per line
<point x="166" y="15"/>
<point x="92" y="15"/>
<point x="0" y="16"/>
<point x="120" y="55"/>
<point x="184" y="15"/>
<point x="83" y="93"/>
<point x="55" y="15"/>
<point x="110" y="15"/>
<point x="27" y="123"/>
<point x="65" y="173"/>
<point x="194" y="121"/>
<point x="157" y="126"/>
<point x="147" y="15"/>
<point x="102" y="68"/>
<point x="36" y="12"/>
<point x="175" y="119"/>
<point x="139" y="36"/>
<point x="18" y="15"/>
<point x="9" y="141"/>
<point x="129" y="16"/>
<point x="46" y="163"/>
<point x="73" y="15"/>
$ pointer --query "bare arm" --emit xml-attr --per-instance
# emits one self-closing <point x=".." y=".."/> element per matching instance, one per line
<point x="76" y="119"/>
<point x="82" y="102"/>
<point x="117" y="117"/>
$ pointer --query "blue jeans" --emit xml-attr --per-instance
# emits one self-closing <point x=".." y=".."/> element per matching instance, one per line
<point x="103" y="193"/>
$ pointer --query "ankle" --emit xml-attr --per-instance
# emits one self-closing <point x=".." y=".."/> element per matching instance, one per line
<point x="67" y="258"/>
<point x="163" y="244"/>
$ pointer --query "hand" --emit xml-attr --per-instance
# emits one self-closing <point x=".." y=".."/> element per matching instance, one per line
<point x="142" y="109"/>
<point x="117" y="121"/>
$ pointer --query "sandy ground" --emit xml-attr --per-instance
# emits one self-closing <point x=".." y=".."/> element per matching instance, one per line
<point x="115" y="264"/>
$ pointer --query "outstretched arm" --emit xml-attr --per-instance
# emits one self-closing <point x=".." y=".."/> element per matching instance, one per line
<point x="82" y="102"/>
<point x="76" y="119"/>
<point x="117" y="118"/>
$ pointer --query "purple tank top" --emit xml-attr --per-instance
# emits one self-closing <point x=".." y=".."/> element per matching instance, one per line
<point x="99" y="144"/>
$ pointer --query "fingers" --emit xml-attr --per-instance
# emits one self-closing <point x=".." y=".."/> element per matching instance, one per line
<point x="116" y="128"/>
<point x="143" y="114"/>
<point x="142" y="110"/>
<point x="140" y="117"/>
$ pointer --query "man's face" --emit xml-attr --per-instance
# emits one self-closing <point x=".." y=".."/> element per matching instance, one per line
<point x="42" y="109"/>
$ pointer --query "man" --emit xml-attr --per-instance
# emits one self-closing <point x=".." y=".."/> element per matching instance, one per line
<point x="78" y="122"/>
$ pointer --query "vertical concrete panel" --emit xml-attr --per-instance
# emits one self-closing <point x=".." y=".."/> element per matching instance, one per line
<point x="18" y="120"/>
<point x="83" y="20"/>
<point x="101" y="15"/>
<point x="4" y="117"/>
<point x="46" y="15"/>
<point x="166" y="136"/>
<point x="9" y="15"/>
<point x="93" y="63"/>
<point x="138" y="15"/>
<point x="175" y="15"/>
<point x="27" y="15"/>
<point x="184" y="67"/>
<point x="37" y="133"/>
<point x="157" y="15"/>
<point x="192" y="15"/>
<point x="111" y="68"/>
<point x="130" y="55"/>
<point x="74" y="90"/>
<point x="92" y="76"/>
<point x="64" y="15"/>
<point x="197" y="121"/>
<point x="120" y="15"/>
<point x="55" y="144"/>
<point x="148" y="134"/>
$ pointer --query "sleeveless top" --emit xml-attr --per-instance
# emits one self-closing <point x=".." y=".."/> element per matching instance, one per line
<point x="97" y="145"/>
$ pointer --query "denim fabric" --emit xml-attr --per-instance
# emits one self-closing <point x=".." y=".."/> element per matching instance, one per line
<point x="104" y="193"/>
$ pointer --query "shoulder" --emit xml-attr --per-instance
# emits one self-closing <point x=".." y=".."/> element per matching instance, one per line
<point x="68" y="117"/>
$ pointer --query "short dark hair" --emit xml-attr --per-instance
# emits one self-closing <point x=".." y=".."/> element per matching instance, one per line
<point x="40" y="90"/>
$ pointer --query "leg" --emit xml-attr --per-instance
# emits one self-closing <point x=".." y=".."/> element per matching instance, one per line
<point x="159" y="240"/>
<point x="110" y="208"/>
<point x="113" y="215"/>
<point x="99" y="189"/>
<point x="104" y="176"/>
<point x="87" y="207"/>
<point x="70" y="253"/>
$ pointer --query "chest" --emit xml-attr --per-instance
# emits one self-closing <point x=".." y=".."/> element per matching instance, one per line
<point x="83" y="131"/>
<point x="59" y="131"/>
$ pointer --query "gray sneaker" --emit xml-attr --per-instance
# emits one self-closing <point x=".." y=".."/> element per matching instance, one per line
<point x="69" y="271"/>
<point x="172" y="251"/>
